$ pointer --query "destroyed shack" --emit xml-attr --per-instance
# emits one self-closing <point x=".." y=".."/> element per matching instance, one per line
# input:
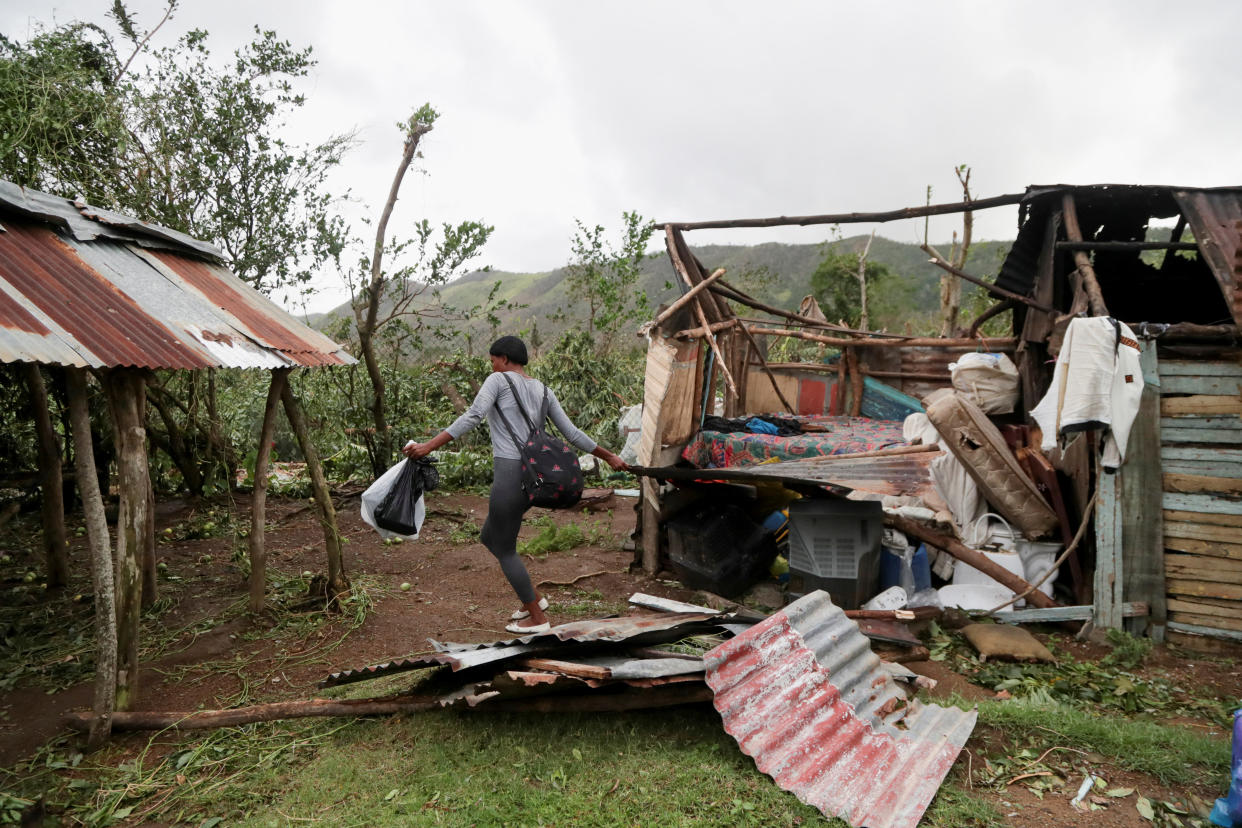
<point x="1125" y="305"/>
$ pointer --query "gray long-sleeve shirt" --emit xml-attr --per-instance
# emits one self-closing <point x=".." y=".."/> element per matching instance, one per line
<point x="495" y="398"/>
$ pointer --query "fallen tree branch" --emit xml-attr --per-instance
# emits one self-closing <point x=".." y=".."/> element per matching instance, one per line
<point x="573" y="581"/>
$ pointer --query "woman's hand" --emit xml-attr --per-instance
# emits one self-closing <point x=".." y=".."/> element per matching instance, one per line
<point x="616" y="462"/>
<point x="416" y="450"/>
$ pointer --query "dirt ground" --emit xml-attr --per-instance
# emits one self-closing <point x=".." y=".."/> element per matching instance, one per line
<point x="456" y="593"/>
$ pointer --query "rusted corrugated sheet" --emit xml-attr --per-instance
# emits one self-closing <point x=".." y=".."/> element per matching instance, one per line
<point x="804" y="695"/>
<point x="634" y="630"/>
<point x="1215" y="216"/>
<point x="70" y="296"/>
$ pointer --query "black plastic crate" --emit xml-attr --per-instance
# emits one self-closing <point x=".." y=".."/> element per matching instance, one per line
<point x="720" y="548"/>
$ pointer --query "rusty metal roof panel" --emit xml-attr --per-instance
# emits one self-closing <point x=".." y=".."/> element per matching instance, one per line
<point x="198" y="325"/>
<point x="248" y="311"/>
<point x="1215" y="216"/>
<point x="103" y="321"/>
<point x="69" y="300"/>
<point x="804" y="695"/>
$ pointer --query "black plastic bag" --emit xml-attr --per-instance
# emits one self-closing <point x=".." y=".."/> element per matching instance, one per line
<point x="396" y="512"/>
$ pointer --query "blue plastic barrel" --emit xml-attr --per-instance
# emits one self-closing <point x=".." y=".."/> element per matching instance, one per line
<point x="890" y="568"/>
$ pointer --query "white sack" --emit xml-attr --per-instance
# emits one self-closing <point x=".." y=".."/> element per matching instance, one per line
<point x="990" y="381"/>
<point x="374" y="496"/>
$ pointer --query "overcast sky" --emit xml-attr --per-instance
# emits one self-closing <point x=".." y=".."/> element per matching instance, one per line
<point x="552" y="111"/>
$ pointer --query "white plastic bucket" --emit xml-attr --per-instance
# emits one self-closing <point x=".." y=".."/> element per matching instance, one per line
<point x="1029" y="560"/>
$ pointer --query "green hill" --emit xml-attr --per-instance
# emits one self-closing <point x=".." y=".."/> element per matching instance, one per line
<point x="777" y="274"/>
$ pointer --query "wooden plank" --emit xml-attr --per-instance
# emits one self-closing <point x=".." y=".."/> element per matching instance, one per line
<point x="1213" y="549"/>
<point x="1195" y="483"/>
<point x="1214" y="622"/>
<point x="1202" y="568"/>
<point x="1212" y="422"/>
<point x="1203" y="468"/>
<point x="1206" y="589"/>
<point x="1203" y="517"/>
<point x="1142" y="528"/>
<point x="1109" y="543"/>
<point x="1210" y="386"/>
<point x="1173" y="434"/>
<point x="568" y="668"/>
<point x="1223" y="456"/>
<point x="1130" y="609"/>
<point x="1195" y="629"/>
<point x="1201" y="531"/>
<point x="1200" y="405"/>
<point x="1207" y="606"/>
<point x="1200" y="503"/>
<point x="1197" y="368"/>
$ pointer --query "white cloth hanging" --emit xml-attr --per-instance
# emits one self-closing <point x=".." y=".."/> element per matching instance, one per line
<point x="1097" y="384"/>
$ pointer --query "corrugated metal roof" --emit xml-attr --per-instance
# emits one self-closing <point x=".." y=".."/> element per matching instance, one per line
<point x="804" y="695"/>
<point x="1215" y="216"/>
<point x="85" y="293"/>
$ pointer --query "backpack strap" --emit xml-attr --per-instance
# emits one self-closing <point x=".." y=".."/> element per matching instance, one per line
<point x="518" y="401"/>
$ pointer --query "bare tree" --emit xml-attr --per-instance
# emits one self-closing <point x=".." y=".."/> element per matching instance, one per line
<point x="950" y="285"/>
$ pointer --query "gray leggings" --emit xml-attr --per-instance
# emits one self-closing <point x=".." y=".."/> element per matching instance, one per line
<point x="505" y="507"/>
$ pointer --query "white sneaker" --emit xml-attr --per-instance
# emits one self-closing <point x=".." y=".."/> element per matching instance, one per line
<point x="518" y="615"/>
<point x="515" y="627"/>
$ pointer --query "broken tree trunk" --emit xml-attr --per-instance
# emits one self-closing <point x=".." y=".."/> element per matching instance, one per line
<point x="52" y="501"/>
<point x="258" y="503"/>
<point x="125" y="389"/>
<point x="338" y="583"/>
<point x="101" y="560"/>
<point x="976" y="559"/>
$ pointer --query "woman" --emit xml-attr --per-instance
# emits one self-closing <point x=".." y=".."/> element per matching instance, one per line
<point x="508" y="502"/>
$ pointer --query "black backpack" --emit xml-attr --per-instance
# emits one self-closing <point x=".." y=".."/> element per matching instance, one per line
<point x="551" y="476"/>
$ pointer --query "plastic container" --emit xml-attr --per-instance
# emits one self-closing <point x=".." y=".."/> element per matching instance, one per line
<point x="719" y="548"/>
<point x="834" y="545"/>
<point x="1029" y="560"/>
<point x="980" y="597"/>
<point x="893" y="598"/>
<point x="892" y="562"/>
<point x="1228" y="809"/>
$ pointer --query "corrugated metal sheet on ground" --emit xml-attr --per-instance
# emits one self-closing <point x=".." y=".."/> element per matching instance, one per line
<point x="634" y="630"/>
<point x="804" y="695"/>
<point x="75" y="291"/>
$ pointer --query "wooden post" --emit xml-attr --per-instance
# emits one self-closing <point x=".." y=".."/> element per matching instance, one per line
<point x="258" y="506"/>
<point x="150" y="581"/>
<point x="1142" y="494"/>
<point x="1095" y="298"/>
<point x="52" y="501"/>
<point x="101" y="560"/>
<point x="856" y="382"/>
<point x="1109" y="569"/>
<point x="125" y="387"/>
<point x="338" y="583"/>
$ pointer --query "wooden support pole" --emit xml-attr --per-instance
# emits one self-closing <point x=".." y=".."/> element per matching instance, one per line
<point x="125" y="388"/>
<point x="104" y="587"/>
<point x="52" y="500"/>
<point x="854" y="218"/>
<point x="964" y="553"/>
<point x="680" y="267"/>
<point x="1091" y="285"/>
<point x="338" y="583"/>
<point x="685" y="298"/>
<point x="258" y="507"/>
<point x="990" y="343"/>
<point x="998" y="292"/>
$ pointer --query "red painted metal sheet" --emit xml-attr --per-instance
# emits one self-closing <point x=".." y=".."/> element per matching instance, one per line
<point x="104" y="321"/>
<point x="811" y="394"/>
<point x="803" y="694"/>
<point x="15" y="317"/>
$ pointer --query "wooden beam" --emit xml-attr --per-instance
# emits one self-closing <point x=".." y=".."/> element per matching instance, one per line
<point x="258" y="507"/>
<point x="973" y="557"/>
<point x="338" y="583"/>
<point x="685" y="299"/>
<point x="51" y="492"/>
<point x="1131" y="609"/>
<point x="1123" y="246"/>
<point x="991" y="344"/>
<point x="855" y="218"/>
<point x="998" y="292"/>
<point x="763" y="364"/>
<point x="125" y="387"/>
<point x="100" y="544"/>
<point x="1091" y="285"/>
<point x="680" y="267"/>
